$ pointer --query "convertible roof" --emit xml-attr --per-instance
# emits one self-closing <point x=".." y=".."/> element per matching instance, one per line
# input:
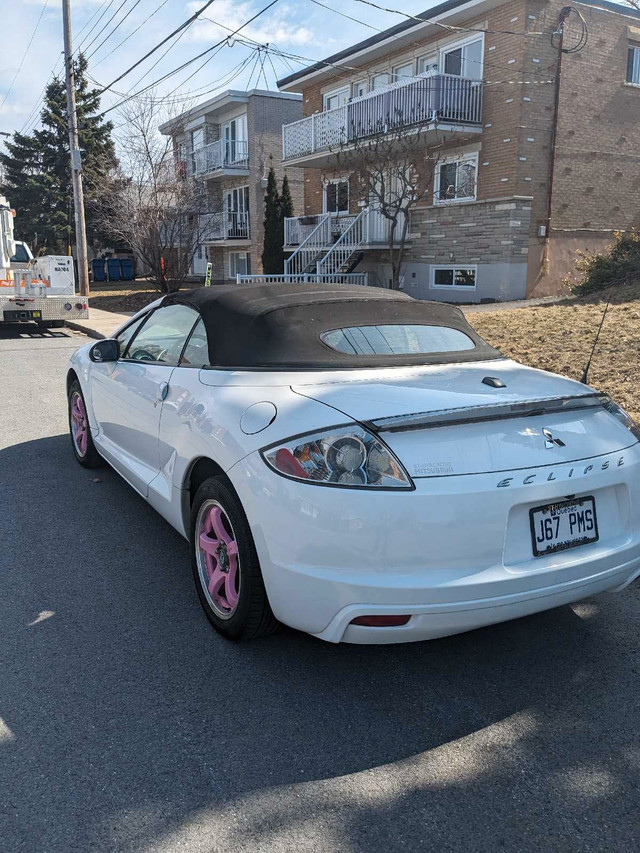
<point x="278" y="326"/>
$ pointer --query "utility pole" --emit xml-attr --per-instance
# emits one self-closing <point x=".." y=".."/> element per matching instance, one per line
<point x="76" y="163"/>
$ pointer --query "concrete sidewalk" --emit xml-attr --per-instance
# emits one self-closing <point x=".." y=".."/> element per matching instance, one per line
<point x="99" y="324"/>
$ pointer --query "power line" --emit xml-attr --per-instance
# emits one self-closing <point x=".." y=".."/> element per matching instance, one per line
<point x="452" y="27"/>
<point x="120" y="22"/>
<point x="118" y="46"/>
<point x="185" y="64"/>
<point x="182" y="26"/>
<point x="102" y="14"/>
<point x="24" y="55"/>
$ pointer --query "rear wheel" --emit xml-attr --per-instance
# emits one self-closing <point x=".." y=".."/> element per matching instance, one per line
<point x="81" y="442"/>
<point x="225" y="564"/>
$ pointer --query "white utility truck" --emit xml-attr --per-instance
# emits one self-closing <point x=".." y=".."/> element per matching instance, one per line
<point x="35" y="289"/>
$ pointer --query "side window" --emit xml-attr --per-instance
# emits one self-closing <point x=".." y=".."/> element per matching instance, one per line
<point x="196" y="353"/>
<point x="163" y="336"/>
<point x="128" y="332"/>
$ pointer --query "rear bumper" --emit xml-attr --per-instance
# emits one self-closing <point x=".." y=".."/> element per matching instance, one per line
<point x="454" y="555"/>
<point x="50" y="307"/>
<point x="428" y="622"/>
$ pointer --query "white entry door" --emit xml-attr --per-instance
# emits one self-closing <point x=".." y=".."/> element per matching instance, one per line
<point x="234" y="134"/>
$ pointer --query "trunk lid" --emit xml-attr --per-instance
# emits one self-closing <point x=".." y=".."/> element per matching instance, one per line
<point x="484" y="440"/>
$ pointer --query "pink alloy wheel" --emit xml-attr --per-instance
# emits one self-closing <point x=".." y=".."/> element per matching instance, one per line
<point x="218" y="559"/>
<point x="80" y="427"/>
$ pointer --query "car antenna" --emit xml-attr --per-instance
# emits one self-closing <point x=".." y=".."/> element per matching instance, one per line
<point x="585" y="374"/>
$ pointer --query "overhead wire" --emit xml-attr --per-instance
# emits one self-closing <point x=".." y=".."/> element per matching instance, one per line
<point x="188" y="62"/>
<point x="183" y="25"/>
<point x="119" y="24"/>
<point x="131" y="34"/>
<point x="24" y="55"/>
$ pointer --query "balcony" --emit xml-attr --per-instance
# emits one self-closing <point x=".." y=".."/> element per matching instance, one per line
<point x="220" y="158"/>
<point x="230" y="225"/>
<point x="298" y="228"/>
<point x="441" y="105"/>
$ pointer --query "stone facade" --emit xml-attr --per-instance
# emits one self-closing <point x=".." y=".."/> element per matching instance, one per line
<point x="596" y="184"/>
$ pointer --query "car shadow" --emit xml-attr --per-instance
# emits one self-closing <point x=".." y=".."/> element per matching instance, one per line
<point x="124" y="718"/>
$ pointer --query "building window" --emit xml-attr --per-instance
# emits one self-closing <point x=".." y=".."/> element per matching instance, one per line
<point x="337" y="98"/>
<point x="428" y="64"/>
<point x="633" y="64"/>
<point x="465" y="59"/>
<point x="378" y="81"/>
<point x="455" y="180"/>
<point x="403" y="72"/>
<point x="360" y="89"/>
<point x="239" y="263"/>
<point x="454" y="277"/>
<point x="336" y="196"/>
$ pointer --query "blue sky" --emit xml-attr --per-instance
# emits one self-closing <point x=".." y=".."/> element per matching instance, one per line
<point x="299" y="27"/>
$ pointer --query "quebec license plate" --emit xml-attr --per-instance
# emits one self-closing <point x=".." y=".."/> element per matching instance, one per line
<point x="22" y="314"/>
<point x="564" y="525"/>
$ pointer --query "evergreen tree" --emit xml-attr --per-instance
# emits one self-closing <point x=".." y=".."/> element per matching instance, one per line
<point x="272" y="253"/>
<point x="37" y="168"/>
<point x="286" y="202"/>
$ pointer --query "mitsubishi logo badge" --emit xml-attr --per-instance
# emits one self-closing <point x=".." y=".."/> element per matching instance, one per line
<point x="550" y="440"/>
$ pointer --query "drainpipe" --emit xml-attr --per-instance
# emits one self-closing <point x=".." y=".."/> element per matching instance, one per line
<point x="564" y="14"/>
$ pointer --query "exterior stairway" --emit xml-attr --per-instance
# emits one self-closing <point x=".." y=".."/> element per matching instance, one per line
<point x="319" y="255"/>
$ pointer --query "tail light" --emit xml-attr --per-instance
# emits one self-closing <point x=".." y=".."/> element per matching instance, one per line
<point x="348" y="456"/>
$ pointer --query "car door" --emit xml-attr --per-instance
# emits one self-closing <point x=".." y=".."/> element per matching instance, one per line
<point x="127" y="395"/>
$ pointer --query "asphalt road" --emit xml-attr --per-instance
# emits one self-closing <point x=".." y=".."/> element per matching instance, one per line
<point x="127" y="724"/>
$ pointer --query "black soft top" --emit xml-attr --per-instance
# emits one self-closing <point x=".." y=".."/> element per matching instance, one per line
<point x="278" y="326"/>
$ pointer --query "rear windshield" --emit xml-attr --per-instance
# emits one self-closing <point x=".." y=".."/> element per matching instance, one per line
<point x="397" y="339"/>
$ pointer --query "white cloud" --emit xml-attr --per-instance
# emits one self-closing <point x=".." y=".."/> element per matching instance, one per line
<point x="279" y="26"/>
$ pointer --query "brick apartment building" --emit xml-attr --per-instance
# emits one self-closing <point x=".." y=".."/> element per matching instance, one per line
<point x="528" y="171"/>
<point x="229" y="142"/>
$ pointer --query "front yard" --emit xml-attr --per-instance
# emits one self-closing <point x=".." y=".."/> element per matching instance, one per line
<point x="559" y="337"/>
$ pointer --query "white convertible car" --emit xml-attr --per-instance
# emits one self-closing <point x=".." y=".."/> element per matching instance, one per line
<point x="358" y="464"/>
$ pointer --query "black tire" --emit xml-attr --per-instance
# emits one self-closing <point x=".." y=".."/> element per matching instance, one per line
<point x="252" y="617"/>
<point x="90" y="458"/>
<point x="50" y="324"/>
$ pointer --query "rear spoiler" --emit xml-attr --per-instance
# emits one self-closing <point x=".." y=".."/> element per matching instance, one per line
<point x="493" y="412"/>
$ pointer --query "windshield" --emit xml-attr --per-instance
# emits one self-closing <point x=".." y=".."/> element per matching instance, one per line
<point x="22" y="254"/>
<point x="397" y="339"/>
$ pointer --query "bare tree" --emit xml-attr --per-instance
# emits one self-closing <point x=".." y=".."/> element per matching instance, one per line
<point x="392" y="170"/>
<point x="156" y="208"/>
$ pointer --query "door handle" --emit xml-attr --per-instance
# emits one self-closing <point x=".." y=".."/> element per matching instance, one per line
<point x="163" y="391"/>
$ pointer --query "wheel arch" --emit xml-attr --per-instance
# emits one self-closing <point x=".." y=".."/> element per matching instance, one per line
<point x="198" y="471"/>
<point x="72" y="376"/>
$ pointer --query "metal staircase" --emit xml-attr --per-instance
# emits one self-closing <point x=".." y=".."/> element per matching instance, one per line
<point x="318" y="256"/>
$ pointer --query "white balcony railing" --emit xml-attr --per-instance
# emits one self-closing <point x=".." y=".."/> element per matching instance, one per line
<point x="230" y="225"/>
<point x="222" y="154"/>
<point x="430" y="99"/>
<point x="298" y="228"/>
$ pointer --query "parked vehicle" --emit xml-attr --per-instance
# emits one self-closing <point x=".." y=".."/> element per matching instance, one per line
<point x="34" y="289"/>
<point x="358" y="464"/>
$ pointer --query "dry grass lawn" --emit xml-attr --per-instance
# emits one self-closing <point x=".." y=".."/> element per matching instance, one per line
<point x="559" y="337"/>
<point x="122" y="297"/>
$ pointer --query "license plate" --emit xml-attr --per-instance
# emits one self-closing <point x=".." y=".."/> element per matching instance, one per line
<point x="25" y="314"/>
<point x="564" y="525"/>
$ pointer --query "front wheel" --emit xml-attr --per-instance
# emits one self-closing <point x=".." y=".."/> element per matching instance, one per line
<point x="81" y="442"/>
<point x="225" y="564"/>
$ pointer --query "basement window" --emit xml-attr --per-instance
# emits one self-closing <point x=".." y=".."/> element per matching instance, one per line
<point x="454" y="277"/>
<point x="633" y="64"/>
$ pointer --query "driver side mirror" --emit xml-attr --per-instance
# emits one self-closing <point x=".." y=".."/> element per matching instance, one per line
<point x="106" y="350"/>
